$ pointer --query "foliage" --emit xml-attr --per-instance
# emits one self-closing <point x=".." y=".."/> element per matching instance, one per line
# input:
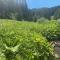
<point x="21" y="41"/>
<point x="49" y="30"/>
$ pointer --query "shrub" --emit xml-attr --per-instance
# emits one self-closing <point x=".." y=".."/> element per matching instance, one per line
<point x="41" y="20"/>
<point x="50" y="30"/>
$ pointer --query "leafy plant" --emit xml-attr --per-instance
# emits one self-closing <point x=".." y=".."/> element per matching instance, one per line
<point x="21" y="41"/>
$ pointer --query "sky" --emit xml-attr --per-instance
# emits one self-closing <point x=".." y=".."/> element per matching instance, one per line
<point x="42" y="3"/>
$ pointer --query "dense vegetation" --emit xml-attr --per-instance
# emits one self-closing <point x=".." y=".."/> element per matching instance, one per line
<point x="27" y="40"/>
<point x="19" y="10"/>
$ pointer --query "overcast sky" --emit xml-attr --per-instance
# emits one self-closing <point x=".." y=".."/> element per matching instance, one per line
<point x="42" y="3"/>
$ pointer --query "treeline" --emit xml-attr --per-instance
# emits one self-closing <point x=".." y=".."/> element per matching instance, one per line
<point x="47" y="13"/>
<point x="15" y="9"/>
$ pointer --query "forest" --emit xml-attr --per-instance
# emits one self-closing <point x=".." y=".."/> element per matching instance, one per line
<point x="13" y="10"/>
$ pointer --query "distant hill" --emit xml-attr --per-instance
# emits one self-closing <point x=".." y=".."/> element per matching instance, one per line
<point x="46" y="12"/>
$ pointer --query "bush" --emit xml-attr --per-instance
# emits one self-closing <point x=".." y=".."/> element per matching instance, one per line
<point x="17" y="43"/>
<point x="41" y="20"/>
<point x="50" y="30"/>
